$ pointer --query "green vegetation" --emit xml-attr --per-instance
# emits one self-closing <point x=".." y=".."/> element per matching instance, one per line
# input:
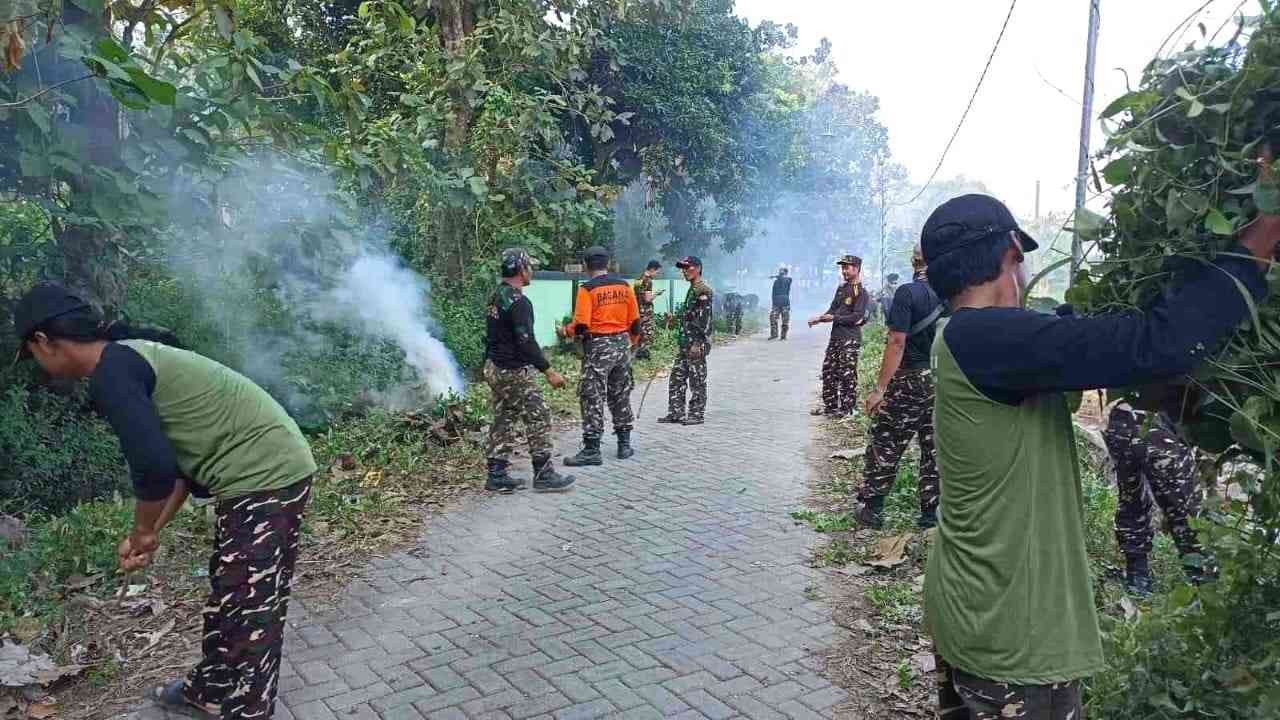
<point x="896" y="602"/>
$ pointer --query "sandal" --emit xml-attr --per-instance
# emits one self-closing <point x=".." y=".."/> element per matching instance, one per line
<point x="172" y="697"/>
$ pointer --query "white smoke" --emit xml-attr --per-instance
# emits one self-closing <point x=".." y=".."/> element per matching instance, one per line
<point x="389" y="300"/>
<point x="288" y="230"/>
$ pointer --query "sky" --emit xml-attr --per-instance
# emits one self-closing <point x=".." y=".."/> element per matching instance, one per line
<point x="923" y="58"/>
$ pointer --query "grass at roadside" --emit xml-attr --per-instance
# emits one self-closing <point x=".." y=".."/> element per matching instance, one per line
<point x="58" y="591"/>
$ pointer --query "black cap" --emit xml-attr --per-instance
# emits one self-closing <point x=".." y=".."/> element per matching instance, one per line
<point x="595" y="251"/>
<point x="654" y="265"/>
<point x="853" y="260"/>
<point x="689" y="261"/>
<point x="42" y="303"/>
<point x="963" y="221"/>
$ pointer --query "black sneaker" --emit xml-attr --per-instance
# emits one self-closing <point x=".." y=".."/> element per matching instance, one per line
<point x="692" y="421"/>
<point x="672" y="419"/>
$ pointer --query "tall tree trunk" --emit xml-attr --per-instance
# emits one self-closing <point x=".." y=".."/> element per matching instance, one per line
<point x="457" y="20"/>
<point x="92" y="263"/>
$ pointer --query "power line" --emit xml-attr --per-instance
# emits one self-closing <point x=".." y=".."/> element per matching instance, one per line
<point x="967" y="108"/>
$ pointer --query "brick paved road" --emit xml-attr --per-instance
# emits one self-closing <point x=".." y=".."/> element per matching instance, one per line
<point x="669" y="585"/>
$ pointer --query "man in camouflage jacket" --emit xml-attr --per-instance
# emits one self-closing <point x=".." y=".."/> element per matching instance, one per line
<point x="690" y="370"/>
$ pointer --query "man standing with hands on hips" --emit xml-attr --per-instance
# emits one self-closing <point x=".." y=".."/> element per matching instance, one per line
<point x="847" y="315"/>
<point x="690" y="369"/>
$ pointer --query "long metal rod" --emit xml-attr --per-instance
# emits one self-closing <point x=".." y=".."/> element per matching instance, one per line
<point x="1086" y="128"/>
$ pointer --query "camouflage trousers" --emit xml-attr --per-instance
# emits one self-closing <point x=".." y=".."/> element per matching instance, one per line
<point x="840" y="376"/>
<point x="779" y="313"/>
<point x="648" y="331"/>
<point x="517" y="399"/>
<point x="962" y="696"/>
<point x="691" y="374"/>
<point x="250" y="574"/>
<point x="1151" y="463"/>
<point x="606" y="376"/>
<point x="734" y="320"/>
<point x="907" y="412"/>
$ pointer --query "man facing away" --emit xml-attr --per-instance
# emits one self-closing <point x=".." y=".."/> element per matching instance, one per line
<point x="607" y="318"/>
<point x="847" y="315"/>
<point x="902" y="401"/>
<point x="690" y="369"/>
<point x="1008" y="594"/>
<point x="781" y="310"/>
<point x="645" y="297"/>
<point x="511" y="354"/>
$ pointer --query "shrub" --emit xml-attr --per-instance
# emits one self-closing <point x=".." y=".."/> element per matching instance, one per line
<point x="55" y="453"/>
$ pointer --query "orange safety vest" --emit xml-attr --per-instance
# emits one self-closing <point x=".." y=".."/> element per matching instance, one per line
<point x="606" y="306"/>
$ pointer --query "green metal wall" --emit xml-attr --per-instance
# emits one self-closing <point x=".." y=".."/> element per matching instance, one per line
<point x="553" y="300"/>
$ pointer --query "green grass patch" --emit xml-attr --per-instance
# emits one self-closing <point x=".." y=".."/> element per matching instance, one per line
<point x="896" y="602"/>
<point x="837" y="553"/>
<point x="824" y="522"/>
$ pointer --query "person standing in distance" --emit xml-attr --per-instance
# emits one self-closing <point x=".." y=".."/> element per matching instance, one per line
<point x="690" y="369"/>
<point x="781" y="310"/>
<point x="1149" y="455"/>
<point x="734" y="307"/>
<point x="902" y="401"/>
<point x="645" y="297"/>
<point x="847" y="315"/>
<point x="512" y="354"/>
<point x="607" y="318"/>
<point x="190" y="426"/>
<point x="1008" y="590"/>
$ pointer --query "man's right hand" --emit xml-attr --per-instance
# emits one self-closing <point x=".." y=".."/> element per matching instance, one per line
<point x="555" y="379"/>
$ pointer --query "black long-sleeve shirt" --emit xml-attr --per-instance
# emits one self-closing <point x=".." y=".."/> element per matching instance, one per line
<point x="121" y="388"/>
<point x="848" y="312"/>
<point x="782" y="292"/>
<point x="1010" y="354"/>
<point x="510" y="342"/>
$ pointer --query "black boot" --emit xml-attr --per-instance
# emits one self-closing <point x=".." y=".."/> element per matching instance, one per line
<point x="624" y="445"/>
<point x="1137" y="576"/>
<point x="588" y="455"/>
<point x="671" y="419"/>
<point x="545" y="477"/>
<point x="784" y="333"/>
<point x="499" y="480"/>
<point x="871" y="514"/>
<point x="692" y="420"/>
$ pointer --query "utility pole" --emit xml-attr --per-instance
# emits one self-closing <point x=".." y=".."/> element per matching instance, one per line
<point x="884" y="215"/>
<point x="1086" y="127"/>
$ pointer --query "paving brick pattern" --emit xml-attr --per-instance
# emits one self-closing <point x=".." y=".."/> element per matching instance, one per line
<point x="671" y="585"/>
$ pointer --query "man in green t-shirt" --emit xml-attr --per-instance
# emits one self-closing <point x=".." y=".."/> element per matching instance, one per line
<point x="1008" y="594"/>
